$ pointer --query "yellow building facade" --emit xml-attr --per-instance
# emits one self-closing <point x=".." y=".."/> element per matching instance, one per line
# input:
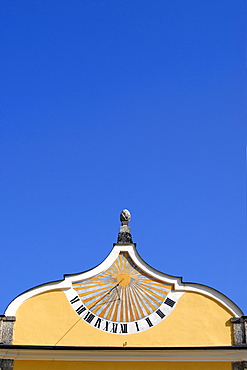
<point x="122" y="313"/>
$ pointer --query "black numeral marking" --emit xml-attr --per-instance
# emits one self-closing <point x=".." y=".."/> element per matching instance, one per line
<point x="160" y="313"/>
<point x="137" y="327"/>
<point x="149" y="322"/>
<point x="89" y="317"/>
<point x="124" y="328"/>
<point x="106" y="326"/>
<point x="170" y="302"/>
<point x="80" y="309"/>
<point x="114" y="328"/>
<point x="98" y="322"/>
<point x="75" y="299"/>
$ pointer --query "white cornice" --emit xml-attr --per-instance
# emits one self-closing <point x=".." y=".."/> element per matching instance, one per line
<point x="206" y="354"/>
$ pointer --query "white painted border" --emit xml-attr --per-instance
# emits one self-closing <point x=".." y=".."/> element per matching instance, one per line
<point x="179" y="286"/>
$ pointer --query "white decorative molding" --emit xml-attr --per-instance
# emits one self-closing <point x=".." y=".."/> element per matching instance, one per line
<point x="179" y="286"/>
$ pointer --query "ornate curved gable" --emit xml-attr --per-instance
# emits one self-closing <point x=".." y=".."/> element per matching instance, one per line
<point x="123" y="295"/>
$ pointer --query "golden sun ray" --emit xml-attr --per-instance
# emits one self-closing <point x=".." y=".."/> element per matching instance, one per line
<point x="123" y="292"/>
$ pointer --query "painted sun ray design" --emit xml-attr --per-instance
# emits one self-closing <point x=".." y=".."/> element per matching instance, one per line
<point x="148" y="298"/>
<point x="117" y="264"/>
<point x="109" y="309"/>
<point x="96" y="286"/>
<point x="145" y="301"/>
<point x="89" y="282"/>
<point x="89" y="291"/>
<point x="102" y="275"/>
<point x="115" y="303"/>
<point x="133" y="308"/>
<point x="155" y="299"/>
<point x="98" y="282"/>
<point x="114" y="307"/>
<point x="142" y="309"/>
<point x="129" y="315"/>
<point x="154" y="284"/>
<point x="91" y="301"/>
<point x="123" y="309"/>
<point x="93" y="292"/>
<point x="118" y="310"/>
<point x="132" y="263"/>
<point x="99" y="295"/>
<point x="123" y="292"/>
<point x="127" y="301"/>
<point x="148" y="293"/>
<point x="97" y="304"/>
<point x="155" y="291"/>
<point x="94" y="301"/>
<point x="100" y="308"/>
<point x="136" y="305"/>
<point x="160" y="295"/>
<point x="105" y="296"/>
<point x="113" y="270"/>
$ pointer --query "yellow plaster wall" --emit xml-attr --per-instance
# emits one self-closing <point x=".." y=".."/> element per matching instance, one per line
<point x="59" y="365"/>
<point x="48" y="319"/>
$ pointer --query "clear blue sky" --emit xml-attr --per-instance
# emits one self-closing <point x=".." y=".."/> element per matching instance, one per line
<point x="115" y="104"/>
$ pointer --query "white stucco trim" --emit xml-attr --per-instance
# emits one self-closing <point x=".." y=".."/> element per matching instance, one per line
<point x="17" y="302"/>
<point x="179" y="286"/>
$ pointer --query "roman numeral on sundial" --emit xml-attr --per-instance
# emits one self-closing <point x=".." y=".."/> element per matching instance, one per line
<point x="74" y="300"/>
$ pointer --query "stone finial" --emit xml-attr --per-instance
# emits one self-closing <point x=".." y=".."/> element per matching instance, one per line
<point x="124" y="235"/>
<point x="125" y="217"/>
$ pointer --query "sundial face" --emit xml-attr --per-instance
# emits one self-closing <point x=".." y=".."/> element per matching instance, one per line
<point x="123" y="299"/>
